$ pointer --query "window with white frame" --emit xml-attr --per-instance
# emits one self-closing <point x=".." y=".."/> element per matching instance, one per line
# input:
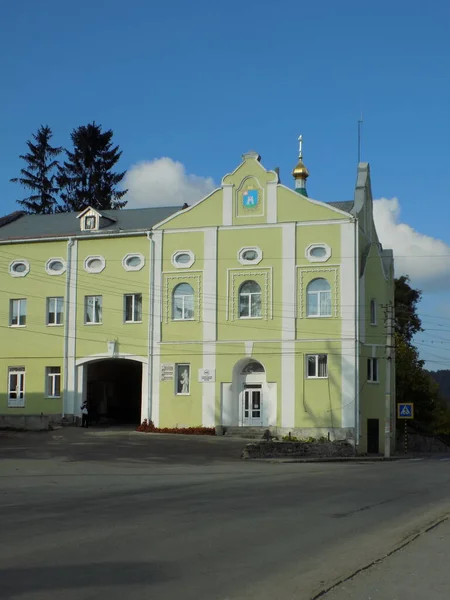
<point x="250" y="300"/>
<point x="183" y="379"/>
<point x="53" y="382"/>
<point x="316" y="366"/>
<point x="93" y="310"/>
<point x="90" y="222"/>
<point x="372" y="370"/>
<point x="133" y="308"/>
<point x="55" y="310"/>
<point x="18" y="312"/>
<point x="373" y="312"/>
<point x="318" y="298"/>
<point x="16" y="387"/>
<point x="318" y="252"/>
<point x="19" y="268"/>
<point x="183" y="302"/>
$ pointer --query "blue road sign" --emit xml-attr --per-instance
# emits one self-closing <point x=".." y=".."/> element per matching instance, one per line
<point x="405" y="410"/>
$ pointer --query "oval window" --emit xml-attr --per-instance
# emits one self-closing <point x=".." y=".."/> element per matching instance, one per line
<point x="95" y="263"/>
<point x="318" y="252"/>
<point x="183" y="258"/>
<point x="19" y="268"/>
<point x="56" y="266"/>
<point x="133" y="261"/>
<point x="250" y="255"/>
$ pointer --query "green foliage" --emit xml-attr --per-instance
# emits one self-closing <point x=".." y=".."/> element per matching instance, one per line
<point x="413" y="382"/>
<point x="39" y="174"/>
<point x="86" y="178"/>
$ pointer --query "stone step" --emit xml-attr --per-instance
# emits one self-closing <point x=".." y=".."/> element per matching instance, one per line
<point x="251" y="433"/>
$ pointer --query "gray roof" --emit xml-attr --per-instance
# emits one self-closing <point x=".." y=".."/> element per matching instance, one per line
<point x="346" y="205"/>
<point x="66" y="224"/>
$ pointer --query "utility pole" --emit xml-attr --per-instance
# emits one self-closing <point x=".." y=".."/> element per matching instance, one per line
<point x="389" y="355"/>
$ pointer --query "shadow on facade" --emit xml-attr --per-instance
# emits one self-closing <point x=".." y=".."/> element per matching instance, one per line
<point x="114" y="389"/>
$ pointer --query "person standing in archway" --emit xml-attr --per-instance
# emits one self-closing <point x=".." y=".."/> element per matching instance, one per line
<point x="84" y="415"/>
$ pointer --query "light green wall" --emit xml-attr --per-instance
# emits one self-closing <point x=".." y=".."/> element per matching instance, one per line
<point x="37" y="345"/>
<point x="292" y="206"/>
<point x="172" y="276"/>
<point x="318" y="401"/>
<point x="112" y="283"/>
<point x="206" y="213"/>
<point x="269" y="240"/>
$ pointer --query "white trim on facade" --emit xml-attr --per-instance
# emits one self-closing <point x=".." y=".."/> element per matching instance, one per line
<point x="318" y="259"/>
<point x="186" y="265"/>
<point x="347" y="294"/>
<point x="209" y="324"/>
<point x="272" y="204"/>
<point x="227" y="204"/>
<point x="90" y="259"/>
<point x="70" y="332"/>
<point x="16" y="263"/>
<point x="157" y="320"/>
<point x="130" y="256"/>
<point x="52" y="272"/>
<point x="245" y="261"/>
<point x="288" y="324"/>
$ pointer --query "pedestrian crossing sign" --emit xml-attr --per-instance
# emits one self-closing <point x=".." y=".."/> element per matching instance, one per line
<point x="405" y="410"/>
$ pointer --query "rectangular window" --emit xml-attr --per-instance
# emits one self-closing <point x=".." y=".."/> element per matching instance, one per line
<point x="18" y="312"/>
<point x="16" y="387"/>
<point x="372" y="370"/>
<point x="183" y="379"/>
<point x="373" y="312"/>
<point x="92" y="309"/>
<point x="53" y="382"/>
<point x="55" y="310"/>
<point x="317" y="366"/>
<point x="133" y="308"/>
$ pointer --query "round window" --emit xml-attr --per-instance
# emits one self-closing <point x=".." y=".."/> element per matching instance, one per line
<point x="56" y="266"/>
<point x="250" y="255"/>
<point x="318" y="252"/>
<point x="183" y="258"/>
<point x="95" y="264"/>
<point x="19" y="268"/>
<point x="133" y="261"/>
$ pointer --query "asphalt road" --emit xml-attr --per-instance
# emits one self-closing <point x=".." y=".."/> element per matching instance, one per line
<point x="105" y="514"/>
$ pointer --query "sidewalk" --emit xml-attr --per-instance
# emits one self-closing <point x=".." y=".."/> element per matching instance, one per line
<point x="419" y="570"/>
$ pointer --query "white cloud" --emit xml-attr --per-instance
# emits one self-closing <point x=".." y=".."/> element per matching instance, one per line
<point x="424" y="258"/>
<point x="164" y="182"/>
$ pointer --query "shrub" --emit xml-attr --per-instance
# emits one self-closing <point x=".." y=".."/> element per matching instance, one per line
<point x="149" y="427"/>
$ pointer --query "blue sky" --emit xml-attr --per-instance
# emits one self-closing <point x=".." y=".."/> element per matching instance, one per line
<point x="201" y="83"/>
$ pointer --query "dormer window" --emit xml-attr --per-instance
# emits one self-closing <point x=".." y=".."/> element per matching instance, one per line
<point x="90" y="222"/>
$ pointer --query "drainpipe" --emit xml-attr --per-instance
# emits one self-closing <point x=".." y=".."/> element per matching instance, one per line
<point x="66" y="325"/>
<point x="151" y="307"/>
<point x="357" y="328"/>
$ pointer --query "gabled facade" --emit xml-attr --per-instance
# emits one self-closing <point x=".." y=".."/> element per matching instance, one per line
<point x="257" y="306"/>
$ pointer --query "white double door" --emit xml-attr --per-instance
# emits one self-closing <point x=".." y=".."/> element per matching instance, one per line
<point x="252" y="409"/>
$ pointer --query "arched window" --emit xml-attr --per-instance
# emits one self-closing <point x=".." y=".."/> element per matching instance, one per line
<point x="183" y="303"/>
<point x="319" y="298"/>
<point x="373" y="312"/>
<point x="250" y="300"/>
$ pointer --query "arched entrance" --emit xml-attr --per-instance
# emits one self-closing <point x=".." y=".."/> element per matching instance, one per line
<point x="113" y="390"/>
<point x="249" y="380"/>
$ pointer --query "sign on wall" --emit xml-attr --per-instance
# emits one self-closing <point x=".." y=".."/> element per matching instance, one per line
<point x="206" y="375"/>
<point x="167" y="372"/>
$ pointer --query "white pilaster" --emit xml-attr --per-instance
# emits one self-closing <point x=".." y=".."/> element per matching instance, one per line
<point x="71" y="404"/>
<point x="272" y="202"/>
<point x="209" y="323"/>
<point x="227" y="204"/>
<point x="156" y="311"/>
<point x="288" y="324"/>
<point x="349" y="315"/>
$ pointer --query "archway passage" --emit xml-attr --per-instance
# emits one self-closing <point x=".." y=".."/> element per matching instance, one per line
<point x="113" y="392"/>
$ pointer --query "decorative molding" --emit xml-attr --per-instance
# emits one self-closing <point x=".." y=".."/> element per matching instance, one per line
<point x="128" y="257"/>
<point x="232" y="296"/>
<point x="90" y="259"/>
<point x="312" y="258"/>
<point x="335" y="294"/>
<point x="243" y="212"/>
<point x="15" y="264"/>
<point x="53" y="272"/>
<point x="249" y="348"/>
<point x="185" y="265"/>
<point x="245" y="261"/>
<point x="182" y="278"/>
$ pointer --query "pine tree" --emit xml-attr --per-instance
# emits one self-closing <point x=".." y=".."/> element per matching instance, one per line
<point x="39" y="173"/>
<point x="86" y="178"/>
